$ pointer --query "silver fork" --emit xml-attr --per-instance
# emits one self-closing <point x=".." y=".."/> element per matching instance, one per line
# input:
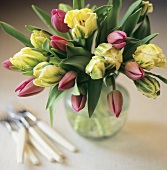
<point x="54" y="135"/>
<point x="28" y="150"/>
<point x="35" y="138"/>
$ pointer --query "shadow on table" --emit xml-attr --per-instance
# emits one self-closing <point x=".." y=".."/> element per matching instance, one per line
<point x="140" y="139"/>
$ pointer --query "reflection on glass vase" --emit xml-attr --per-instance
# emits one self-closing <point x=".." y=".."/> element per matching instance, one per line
<point x="103" y="123"/>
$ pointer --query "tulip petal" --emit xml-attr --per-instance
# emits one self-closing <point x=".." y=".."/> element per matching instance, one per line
<point x="27" y="88"/>
<point x="115" y="102"/>
<point x="67" y="81"/>
<point x="78" y="102"/>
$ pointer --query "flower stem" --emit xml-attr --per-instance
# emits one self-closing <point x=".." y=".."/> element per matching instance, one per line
<point x="70" y="35"/>
<point x="113" y="83"/>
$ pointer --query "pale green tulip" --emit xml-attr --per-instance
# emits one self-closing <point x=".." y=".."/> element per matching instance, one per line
<point x="38" y="38"/>
<point x="47" y="75"/>
<point x="27" y="59"/>
<point x="150" y="55"/>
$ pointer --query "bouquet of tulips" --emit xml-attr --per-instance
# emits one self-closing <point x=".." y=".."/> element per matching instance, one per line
<point x="85" y="48"/>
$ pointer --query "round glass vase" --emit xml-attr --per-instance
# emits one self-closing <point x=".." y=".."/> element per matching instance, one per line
<point x="103" y="123"/>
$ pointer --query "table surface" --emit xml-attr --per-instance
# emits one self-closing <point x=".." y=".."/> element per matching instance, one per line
<point x="142" y="143"/>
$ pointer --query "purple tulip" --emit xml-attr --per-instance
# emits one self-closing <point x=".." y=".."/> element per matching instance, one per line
<point x="58" y="43"/>
<point x="7" y="64"/>
<point x="78" y="102"/>
<point x="117" y="39"/>
<point x="67" y="81"/>
<point x="115" y="102"/>
<point x="57" y="20"/>
<point x="27" y="88"/>
<point x="134" y="71"/>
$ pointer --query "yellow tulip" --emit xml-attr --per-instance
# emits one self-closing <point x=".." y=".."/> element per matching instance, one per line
<point x="38" y="68"/>
<point x="38" y="38"/>
<point x="112" y="56"/>
<point x="83" y="22"/>
<point x="47" y="75"/>
<point x="96" y="67"/>
<point x="147" y="7"/>
<point x="150" y="55"/>
<point x="27" y="59"/>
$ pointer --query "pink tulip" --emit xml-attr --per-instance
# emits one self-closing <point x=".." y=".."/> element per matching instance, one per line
<point x="117" y="39"/>
<point x="27" y="88"/>
<point x="67" y="81"/>
<point x="57" y="20"/>
<point x="115" y="102"/>
<point x="7" y="64"/>
<point x="134" y="71"/>
<point x="78" y="102"/>
<point x="58" y="43"/>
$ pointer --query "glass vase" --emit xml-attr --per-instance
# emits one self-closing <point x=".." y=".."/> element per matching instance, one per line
<point x="103" y="123"/>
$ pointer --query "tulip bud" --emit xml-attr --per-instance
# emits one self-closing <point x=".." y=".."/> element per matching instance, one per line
<point x="7" y="64"/>
<point x="78" y="102"/>
<point x="134" y="71"/>
<point x="150" y="55"/>
<point x="27" y="88"/>
<point x="57" y="20"/>
<point x="27" y="59"/>
<point x="96" y="67"/>
<point x="147" y="7"/>
<point x="115" y="102"/>
<point x="148" y="86"/>
<point x="38" y="38"/>
<point x="47" y="74"/>
<point x="117" y="39"/>
<point x="58" y="43"/>
<point x="67" y="81"/>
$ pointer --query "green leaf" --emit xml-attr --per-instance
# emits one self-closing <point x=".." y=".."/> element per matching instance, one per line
<point x="53" y="94"/>
<point x="158" y="76"/>
<point x="46" y="18"/>
<point x="130" y="51"/>
<point x="55" y="60"/>
<point x="46" y="45"/>
<point x="75" y="89"/>
<point x="102" y="12"/>
<point x="59" y="53"/>
<point x="51" y="113"/>
<point x="131" y="22"/>
<point x="91" y="41"/>
<point x="47" y="48"/>
<point x="32" y="28"/>
<point x="143" y="30"/>
<point x="65" y="7"/>
<point x="108" y="80"/>
<point x="94" y="90"/>
<point x="77" y="51"/>
<point x="87" y="6"/>
<point x="130" y="41"/>
<point x="52" y="107"/>
<point x="94" y="7"/>
<point x="16" y="34"/>
<point x="113" y="14"/>
<point x="78" y="4"/>
<point x="110" y="2"/>
<point x="135" y="6"/>
<point x="77" y="61"/>
<point x="77" y="42"/>
<point x="28" y="73"/>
